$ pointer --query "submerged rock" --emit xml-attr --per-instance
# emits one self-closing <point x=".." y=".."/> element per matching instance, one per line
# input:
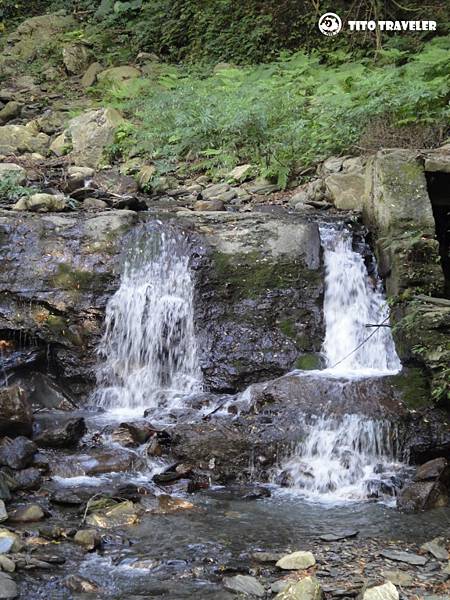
<point x="297" y="560"/>
<point x="9" y="541"/>
<point x="120" y="515"/>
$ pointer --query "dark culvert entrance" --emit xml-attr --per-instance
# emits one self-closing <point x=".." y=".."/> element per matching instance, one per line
<point x="439" y="191"/>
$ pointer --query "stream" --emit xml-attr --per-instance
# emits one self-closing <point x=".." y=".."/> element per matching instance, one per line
<point x="341" y="476"/>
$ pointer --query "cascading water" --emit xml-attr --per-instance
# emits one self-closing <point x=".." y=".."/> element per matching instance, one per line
<point x="350" y="457"/>
<point x="353" y="300"/>
<point x="149" y="349"/>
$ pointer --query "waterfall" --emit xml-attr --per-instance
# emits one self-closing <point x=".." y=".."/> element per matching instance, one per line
<point x="354" y="300"/>
<point x="350" y="457"/>
<point x="149" y="350"/>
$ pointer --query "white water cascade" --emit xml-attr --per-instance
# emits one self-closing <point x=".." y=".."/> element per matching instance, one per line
<point x="350" y="457"/>
<point x="149" y="349"/>
<point x="353" y="300"/>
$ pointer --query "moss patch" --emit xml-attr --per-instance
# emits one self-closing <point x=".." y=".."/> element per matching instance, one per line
<point x="308" y="362"/>
<point x="414" y="388"/>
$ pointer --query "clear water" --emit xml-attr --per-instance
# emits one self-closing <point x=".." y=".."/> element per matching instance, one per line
<point x="148" y="352"/>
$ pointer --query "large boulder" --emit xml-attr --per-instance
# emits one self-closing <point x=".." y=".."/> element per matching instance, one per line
<point x="75" y="58"/>
<point x="18" y="139"/>
<point x="15" y="412"/>
<point x="37" y="33"/>
<point x="91" y="133"/>
<point x="430" y="488"/>
<point x="118" y="74"/>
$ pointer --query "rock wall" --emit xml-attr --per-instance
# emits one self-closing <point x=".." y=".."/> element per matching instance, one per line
<point x="259" y="292"/>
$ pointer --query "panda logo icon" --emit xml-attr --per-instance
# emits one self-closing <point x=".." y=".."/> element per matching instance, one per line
<point x="330" y="24"/>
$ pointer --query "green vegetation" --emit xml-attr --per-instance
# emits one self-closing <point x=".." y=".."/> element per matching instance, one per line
<point x="11" y="190"/>
<point x="286" y="115"/>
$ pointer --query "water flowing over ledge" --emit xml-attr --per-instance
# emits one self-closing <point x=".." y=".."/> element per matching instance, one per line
<point x="149" y="350"/>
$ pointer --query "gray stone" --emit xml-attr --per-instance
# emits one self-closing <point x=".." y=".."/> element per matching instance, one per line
<point x="296" y="560"/>
<point x="406" y="557"/>
<point x="208" y="205"/>
<point x="438" y="468"/>
<point x="17" y="453"/>
<point x="90" y="76"/>
<point x="347" y="190"/>
<point x="9" y="542"/>
<point x="64" y="436"/>
<point x="280" y="585"/>
<point x="400" y="578"/>
<point x="13" y="171"/>
<point x="36" y="33"/>
<point x="305" y="589"/>
<point x="27" y="514"/>
<point x="8" y="587"/>
<point x="94" y="204"/>
<point x="333" y="164"/>
<point x="3" y="513"/>
<point x="80" y="173"/>
<point x="422" y="495"/>
<point x="75" y="58"/>
<point x="267" y="557"/>
<point x="15" y="411"/>
<point x="42" y="203"/>
<point x="244" y="584"/>
<point x="91" y="133"/>
<point x="18" y="139"/>
<point x="89" y="539"/>
<point x="339" y="535"/>
<point x="28" y="479"/>
<point x="10" y="111"/>
<point x="387" y="591"/>
<point x="241" y="173"/>
<point x="213" y="191"/>
<point x="118" y="74"/>
<point x="6" y="564"/>
<point x="437" y="548"/>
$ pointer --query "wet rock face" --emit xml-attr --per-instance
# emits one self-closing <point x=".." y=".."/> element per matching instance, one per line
<point x="57" y="274"/>
<point x="259" y="285"/>
<point x="258" y="292"/>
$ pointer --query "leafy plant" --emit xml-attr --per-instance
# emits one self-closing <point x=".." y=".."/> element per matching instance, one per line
<point x="11" y="190"/>
<point x="282" y="116"/>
